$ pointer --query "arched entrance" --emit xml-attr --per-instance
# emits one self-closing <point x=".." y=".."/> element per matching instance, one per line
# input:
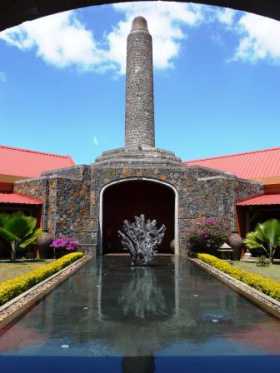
<point x="127" y="198"/>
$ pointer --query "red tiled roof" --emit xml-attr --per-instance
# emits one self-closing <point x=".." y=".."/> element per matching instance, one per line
<point x="28" y="163"/>
<point x="266" y="199"/>
<point x="251" y="165"/>
<point x="19" y="198"/>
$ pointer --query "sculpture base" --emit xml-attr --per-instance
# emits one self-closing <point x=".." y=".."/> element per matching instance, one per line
<point x="138" y="155"/>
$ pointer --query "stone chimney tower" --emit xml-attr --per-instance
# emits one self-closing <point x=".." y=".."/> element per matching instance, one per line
<point x="139" y="108"/>
<point x="139" y="146"/>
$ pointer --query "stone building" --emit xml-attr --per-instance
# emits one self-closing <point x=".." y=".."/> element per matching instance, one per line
<point x="19" y="164"/>
<point x="90" y="202"/>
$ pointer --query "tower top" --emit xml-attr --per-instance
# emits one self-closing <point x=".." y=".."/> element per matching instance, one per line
<point x="139" y="23"/>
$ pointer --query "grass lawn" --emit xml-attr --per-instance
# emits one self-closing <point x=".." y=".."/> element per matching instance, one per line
<point x="272" y="271"/>
<point x="9" y="270"/>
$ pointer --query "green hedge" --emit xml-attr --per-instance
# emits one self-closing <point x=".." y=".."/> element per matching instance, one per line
<point x="17" y="285"/>
<point x="261" y="283"/>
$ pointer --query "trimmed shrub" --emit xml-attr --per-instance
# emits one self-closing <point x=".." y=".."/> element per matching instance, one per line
<point x="17" y="285"/>
<point x="259" y="282"/>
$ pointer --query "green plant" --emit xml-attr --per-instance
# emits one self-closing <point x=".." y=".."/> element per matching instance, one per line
<point x="19" y="230"/>
<point x="266" y="237"/>
<point x="17" y="285"/>
<point x="261" y="283"/>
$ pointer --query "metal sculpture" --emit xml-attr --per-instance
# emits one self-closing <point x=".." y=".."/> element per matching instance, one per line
<point x="141" y="239"/>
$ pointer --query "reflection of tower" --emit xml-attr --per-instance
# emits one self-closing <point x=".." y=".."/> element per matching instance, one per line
<point x="141" y="364"/>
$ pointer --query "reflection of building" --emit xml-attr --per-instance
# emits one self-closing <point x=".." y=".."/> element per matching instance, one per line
<point x="91" y="202"/>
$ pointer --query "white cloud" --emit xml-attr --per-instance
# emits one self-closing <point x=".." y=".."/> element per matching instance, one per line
<point x="95" y="141"/>
<point x="60" y="39"/>
<point x="259" y="38"/>
<point x="3" y="77"/>
<point x="225" y="16"/>
<point x="166" y="22"/>
<point x="63" y="40"/>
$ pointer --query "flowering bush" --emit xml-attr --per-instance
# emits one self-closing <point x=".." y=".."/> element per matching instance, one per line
<point x="67" y="244"/>
<point x="17" y="285"/>
<point x="207" y="236"/>
<point x="259" y="282"/>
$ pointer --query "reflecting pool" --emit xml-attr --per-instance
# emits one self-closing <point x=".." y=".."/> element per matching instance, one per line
<point x="116" y="318"/>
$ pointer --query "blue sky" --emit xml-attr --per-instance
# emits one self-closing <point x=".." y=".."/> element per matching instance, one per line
<point x="216" y="80"/>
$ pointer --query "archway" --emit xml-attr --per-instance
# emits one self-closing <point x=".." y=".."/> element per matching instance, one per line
<point x="128" y="198"/>
<point x="15" y="12"/>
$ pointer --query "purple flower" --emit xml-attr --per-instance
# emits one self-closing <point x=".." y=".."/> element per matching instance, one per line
<point x="66" y="243"/>
<point x="59" y="242"/>
<point x="211" y="221"/>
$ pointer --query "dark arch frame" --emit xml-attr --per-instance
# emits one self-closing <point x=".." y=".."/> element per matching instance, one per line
<point x="158" y="187"/>
<point x="17" y="11"/>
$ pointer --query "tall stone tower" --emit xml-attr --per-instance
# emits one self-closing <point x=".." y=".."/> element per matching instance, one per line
<point x="139" y="109"/>
<point x="139" y="146"/>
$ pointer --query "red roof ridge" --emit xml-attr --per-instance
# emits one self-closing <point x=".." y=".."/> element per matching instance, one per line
<point x="36" y="152"/>
<point x="234" y="154"/>
<point x="19" y="198"/>
<point x="264" y="199"/>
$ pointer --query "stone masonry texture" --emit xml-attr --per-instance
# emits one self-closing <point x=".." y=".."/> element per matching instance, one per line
<point x="139" y="111"/>
<point x="72" y="205"/>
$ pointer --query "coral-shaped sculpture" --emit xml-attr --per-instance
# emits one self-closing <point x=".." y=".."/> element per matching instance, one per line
<point x="141" y="239"/>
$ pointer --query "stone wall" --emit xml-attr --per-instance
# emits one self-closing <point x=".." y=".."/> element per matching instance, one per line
<point x="72" y="196"/>
<point x="245" y="189"/>
<point x="71" y="209"/>
<point x="75" y="172"/>
<point x="66" y="197"/>
<point x="198" y="197"/>
<point x="37" y="188"/>
<point x="216" y="196"/>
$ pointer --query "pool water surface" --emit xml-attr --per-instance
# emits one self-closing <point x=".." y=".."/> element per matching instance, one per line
<point x="172" y="316"/>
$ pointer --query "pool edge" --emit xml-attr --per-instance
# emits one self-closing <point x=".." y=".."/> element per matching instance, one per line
<point x="266" y="303"/>
<point x="23" y="302"/>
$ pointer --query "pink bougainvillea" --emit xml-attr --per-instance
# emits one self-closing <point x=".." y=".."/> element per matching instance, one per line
<point x="66" y="243"/>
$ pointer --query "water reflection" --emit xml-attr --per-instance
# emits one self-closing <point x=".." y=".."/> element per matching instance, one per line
<point x="142" y="315"/>
<point x="144" y="295"/>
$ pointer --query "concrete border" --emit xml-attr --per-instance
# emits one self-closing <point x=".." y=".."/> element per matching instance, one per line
<point x="23" y="302"/>
<point x="268" y="304"/>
